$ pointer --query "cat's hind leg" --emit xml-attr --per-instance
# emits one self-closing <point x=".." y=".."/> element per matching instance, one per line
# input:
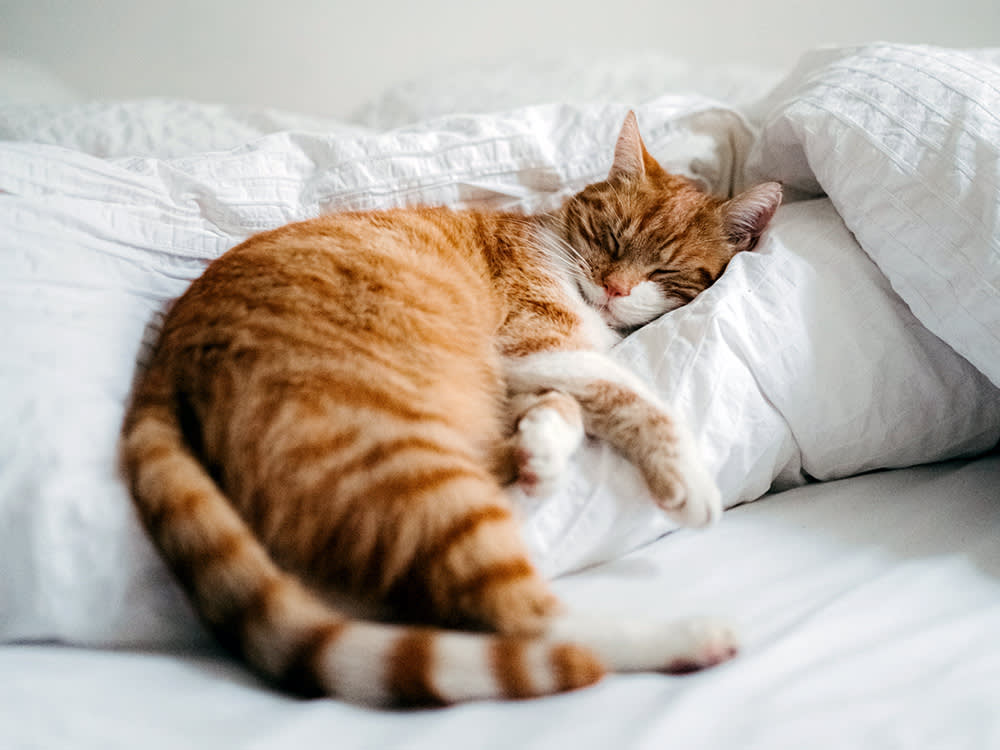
<point x="472" y="564"/>
<point x="649" y="645"/>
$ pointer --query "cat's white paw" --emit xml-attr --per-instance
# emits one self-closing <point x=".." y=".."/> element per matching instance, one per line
<point x="544" y="444"/>
<point x="651" y="645"/>
<point x="697" y="643"/>
<point x="681" y="485"/>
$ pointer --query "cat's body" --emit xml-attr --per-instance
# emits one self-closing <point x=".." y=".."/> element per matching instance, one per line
<point x="334" y="406"/>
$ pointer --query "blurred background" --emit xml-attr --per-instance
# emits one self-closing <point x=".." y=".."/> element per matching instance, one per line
<point x="327" y="57"/>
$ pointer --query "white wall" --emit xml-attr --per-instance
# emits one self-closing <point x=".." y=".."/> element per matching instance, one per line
<point x="328" y="56"/>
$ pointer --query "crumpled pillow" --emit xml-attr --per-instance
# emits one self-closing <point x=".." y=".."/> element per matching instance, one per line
<point x="905" y="140"/>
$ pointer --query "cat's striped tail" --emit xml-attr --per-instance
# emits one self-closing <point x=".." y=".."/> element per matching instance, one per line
<point x="287" y="632"/>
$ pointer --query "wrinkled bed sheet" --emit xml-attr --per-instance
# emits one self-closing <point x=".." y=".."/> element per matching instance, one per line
<point x="869" y="609"/>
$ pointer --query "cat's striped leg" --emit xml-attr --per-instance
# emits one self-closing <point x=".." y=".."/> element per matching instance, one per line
<point x="619" y="408"/>
<point x="549" y="429"/>
<point x="472" y="564"/>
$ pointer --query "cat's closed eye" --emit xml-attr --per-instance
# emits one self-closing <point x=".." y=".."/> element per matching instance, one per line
<point x="661" y="274"/>
<point x="613" y="244"/>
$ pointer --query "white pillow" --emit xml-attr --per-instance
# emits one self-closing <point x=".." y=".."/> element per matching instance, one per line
<point x="906" y="142"/>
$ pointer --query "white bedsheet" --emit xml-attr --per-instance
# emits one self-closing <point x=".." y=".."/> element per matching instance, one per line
<point x="869" y="606"/>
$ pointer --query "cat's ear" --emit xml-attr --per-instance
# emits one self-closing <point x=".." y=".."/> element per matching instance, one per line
<point x="746" y="216"/>
<point x="630" y="153"/>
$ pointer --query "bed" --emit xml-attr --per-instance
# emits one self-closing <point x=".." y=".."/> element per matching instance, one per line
<point x="842" y="380"/>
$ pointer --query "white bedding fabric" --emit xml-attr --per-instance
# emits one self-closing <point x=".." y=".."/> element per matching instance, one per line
<point x="869" y="609"/>
<point x="906" y="142"/>
<point x="801" y="362"/>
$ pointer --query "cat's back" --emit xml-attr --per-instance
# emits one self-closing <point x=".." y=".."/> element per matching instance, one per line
<point x="417" y="279"/>
<point x="384" y="252"/>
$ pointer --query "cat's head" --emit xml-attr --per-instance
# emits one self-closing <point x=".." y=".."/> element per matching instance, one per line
<point x="645" y="241"/>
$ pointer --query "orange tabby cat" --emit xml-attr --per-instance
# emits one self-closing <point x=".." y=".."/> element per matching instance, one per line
<point x="333" y="407"/>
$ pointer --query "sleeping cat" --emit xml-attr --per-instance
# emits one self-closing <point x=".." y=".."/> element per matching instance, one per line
<point x="333" y="407"/>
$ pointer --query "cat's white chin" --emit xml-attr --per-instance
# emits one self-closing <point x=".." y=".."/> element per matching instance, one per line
<point x="644" y="303"/>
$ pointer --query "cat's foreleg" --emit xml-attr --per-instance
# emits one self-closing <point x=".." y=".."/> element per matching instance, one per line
<point x="549" y="429"/>
<point x="619" y="408"/>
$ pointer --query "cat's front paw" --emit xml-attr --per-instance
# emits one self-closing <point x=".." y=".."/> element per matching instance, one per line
<point x="681" y="485"/>
<point x="544" y="443"/>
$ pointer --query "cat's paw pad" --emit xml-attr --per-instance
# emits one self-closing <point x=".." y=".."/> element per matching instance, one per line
<point x="544" y="444"/>
<point x="682" y="486"/>
<point x="701" y="642"/>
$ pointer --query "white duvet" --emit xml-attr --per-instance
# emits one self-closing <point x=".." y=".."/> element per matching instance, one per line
<point x="861" y="334"/>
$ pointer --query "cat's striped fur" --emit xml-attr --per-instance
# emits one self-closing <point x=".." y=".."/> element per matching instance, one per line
<point x="334" y="405"/>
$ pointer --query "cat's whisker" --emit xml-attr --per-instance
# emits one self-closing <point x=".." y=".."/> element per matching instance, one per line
<point x="563" y="254"/>
<point x="563" y="250"/>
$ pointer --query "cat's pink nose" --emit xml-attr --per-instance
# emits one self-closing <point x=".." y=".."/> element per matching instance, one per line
<point x="616" y="288"/>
